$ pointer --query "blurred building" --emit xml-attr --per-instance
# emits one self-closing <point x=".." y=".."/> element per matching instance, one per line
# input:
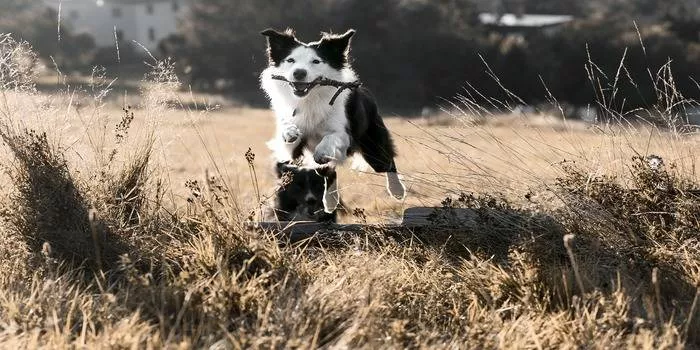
<point x="523" y="22"/>
<point x="511" y="17"/>
<point x="144" y="21"/>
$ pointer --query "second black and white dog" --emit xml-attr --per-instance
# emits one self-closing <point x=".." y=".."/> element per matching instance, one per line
<point x="300" y="193"/>
<point x="308" y="126"/>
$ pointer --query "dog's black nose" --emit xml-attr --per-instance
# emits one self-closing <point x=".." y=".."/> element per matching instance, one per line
<point x="300" y="74"/>
<point x="311" y="202"/>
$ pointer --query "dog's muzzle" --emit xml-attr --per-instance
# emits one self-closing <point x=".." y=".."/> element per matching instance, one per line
<point x="301" y="89"/>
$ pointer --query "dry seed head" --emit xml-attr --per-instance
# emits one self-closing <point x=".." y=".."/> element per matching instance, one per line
<point x="655" y="162"/>
<point x="249" y="156"/>
<point x="46" y="249"/>
<point x="122" y="128"/>
<point x="286" y="178"/>
<point x="360" y="214"/>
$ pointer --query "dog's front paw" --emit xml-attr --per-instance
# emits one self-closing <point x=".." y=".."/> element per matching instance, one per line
<point x="291" y="134"/>
<point x="327" y="151"/>
<point x="324" y="154"/>
<point x="321" y="158"/>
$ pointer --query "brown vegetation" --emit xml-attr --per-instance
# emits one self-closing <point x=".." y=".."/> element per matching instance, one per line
<point x="578" y="239"/>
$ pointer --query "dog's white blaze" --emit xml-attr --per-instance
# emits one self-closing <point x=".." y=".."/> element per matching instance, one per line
<point x="331" y="197"/>
<point x="395" y="186"/>
<point x="318" y="122"/>
<point x="303" y="59"/>
<point x="309" y="196"/>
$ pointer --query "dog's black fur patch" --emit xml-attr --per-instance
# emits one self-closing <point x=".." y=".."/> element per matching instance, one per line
<point x="334" y="49"/>
<point x="301" y="198"/>
<point x="280" y="45"/>
<point x="298" y="151"/>
<point x="369" y="135"/>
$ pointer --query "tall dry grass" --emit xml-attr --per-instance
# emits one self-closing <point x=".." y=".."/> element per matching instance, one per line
<point x="599" y="251"/>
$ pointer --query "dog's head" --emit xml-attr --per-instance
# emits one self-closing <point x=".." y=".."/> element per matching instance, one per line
<point x="300" y="197"/>
<point x="301" y="63"/>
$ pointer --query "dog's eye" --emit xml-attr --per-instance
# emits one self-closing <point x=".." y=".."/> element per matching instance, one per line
<point x="291" y="60"/>
<point x="316" y="61"/>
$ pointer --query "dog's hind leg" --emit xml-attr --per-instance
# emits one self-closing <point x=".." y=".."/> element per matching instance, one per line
<point x="394" y="185"/>
<point x="372" y="139"/>
<point x="382" y="163"/>
<point x="378" y="151"/>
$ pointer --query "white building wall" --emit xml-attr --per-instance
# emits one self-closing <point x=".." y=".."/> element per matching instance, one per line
<point x="127" y="24"/>
<point x="163" y="22"/>
<point x="98" y="18"/>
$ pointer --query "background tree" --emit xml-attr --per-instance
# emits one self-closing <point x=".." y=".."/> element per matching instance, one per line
<point x="395" y="50"/>
<point x="413" y="53"/>
<point x="33" y="21"/>
<point x="221" y="41"/>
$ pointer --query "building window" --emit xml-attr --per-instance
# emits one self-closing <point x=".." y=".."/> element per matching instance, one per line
<point x="120" y="35"/>
<point x="149" y="9"/>
<point x="176" y="6"/>
<point x="151" y="34"/>
<point x="116" y="12"/>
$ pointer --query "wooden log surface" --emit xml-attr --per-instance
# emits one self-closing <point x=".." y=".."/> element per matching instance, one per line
<point x="417" y="217"/>
<point x="437" y="216"/>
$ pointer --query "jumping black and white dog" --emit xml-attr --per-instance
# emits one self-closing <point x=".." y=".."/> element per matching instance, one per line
<point x="308" y="125"/>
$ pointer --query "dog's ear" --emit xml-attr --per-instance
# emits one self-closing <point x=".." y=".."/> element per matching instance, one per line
<point x="279" y="45"/>
<point x="335" y="48"/>
<point x="283" y="167"/>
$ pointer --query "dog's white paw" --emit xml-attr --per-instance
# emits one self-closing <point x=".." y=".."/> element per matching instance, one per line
<point x="291" y="134"/>
<point x="395" y="186"/>
<point x="324" y="153"/>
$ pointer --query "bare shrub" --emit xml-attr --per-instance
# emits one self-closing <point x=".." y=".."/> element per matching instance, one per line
<point x="47" y="207"/>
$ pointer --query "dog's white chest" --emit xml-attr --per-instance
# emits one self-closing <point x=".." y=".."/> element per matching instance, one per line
<point x="315" y="122"/>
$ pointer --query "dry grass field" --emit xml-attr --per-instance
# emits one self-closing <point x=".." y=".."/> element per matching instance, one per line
<point x="123" y="227"/>
<point x="438" y="155"/>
